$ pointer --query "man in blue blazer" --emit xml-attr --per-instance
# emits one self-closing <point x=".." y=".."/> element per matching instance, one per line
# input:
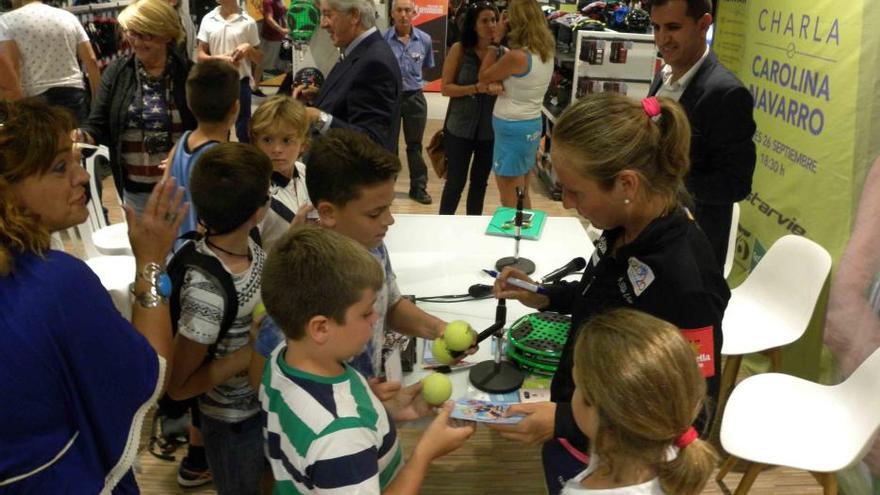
<point x="719" y="108"/>
<point x="363" y="90"/>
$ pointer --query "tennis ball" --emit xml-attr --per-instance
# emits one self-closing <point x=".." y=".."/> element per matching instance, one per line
<point x="259" y="310"/>
<point x="436" y="389"/>
<point x="459" y="335"/>
<point x="441" y="352"/>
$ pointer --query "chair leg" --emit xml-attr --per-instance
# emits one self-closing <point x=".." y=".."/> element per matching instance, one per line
<point x="748" y="478"/>
<point x="828" y="482"/>
<point x="728" y="380"/>
<point x="725" y="468"/>
<point x="775" y="356"/>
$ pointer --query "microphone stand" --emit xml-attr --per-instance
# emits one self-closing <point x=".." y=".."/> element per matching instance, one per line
<point x="524" y="265"/>
<point x="496" y="376"/>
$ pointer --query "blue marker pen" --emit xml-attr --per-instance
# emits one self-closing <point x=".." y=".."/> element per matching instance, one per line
<point x="522" y="284"/>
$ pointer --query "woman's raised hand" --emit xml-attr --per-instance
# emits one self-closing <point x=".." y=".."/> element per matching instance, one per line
<point x="152" y="233"/>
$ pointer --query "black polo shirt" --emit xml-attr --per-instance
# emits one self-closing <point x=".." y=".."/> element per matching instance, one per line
<point x="668" y="271"/>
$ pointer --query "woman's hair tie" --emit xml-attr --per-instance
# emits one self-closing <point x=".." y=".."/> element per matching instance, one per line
<point x="651" y="107"/>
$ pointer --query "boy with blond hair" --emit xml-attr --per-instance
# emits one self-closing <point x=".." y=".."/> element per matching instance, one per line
<point x="279" y="128"/>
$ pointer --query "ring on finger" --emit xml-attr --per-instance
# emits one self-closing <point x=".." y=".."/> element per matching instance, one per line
<point x="170" y="217"/>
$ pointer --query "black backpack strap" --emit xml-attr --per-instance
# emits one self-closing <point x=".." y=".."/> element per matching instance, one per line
<point x="282" y="210"/>
<point x="187" y="258"/>
<point x="255" y="236"/>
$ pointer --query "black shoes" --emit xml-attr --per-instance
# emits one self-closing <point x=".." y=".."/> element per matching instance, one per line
<point x="420" y="196"/>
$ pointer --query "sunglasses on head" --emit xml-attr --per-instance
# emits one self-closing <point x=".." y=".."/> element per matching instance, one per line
<point x="483" y="4"/>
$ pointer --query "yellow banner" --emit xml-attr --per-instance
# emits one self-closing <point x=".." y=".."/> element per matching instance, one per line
<point x="812" y="70"/>
<point x="801" y="62"/>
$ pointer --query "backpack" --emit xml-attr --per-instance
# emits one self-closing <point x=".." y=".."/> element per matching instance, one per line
<point x="188" y="258"/>
<point x="162" y="443"/>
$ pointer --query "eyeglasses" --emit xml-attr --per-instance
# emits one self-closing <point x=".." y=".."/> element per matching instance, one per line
<point x="135" y="35"/>
<point x="85" y="150"/>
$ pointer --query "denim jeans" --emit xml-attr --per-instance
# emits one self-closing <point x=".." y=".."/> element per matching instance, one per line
<point x="137" y="200"/>
<point x="74" y="99"/>
<point x="235" y="454"/>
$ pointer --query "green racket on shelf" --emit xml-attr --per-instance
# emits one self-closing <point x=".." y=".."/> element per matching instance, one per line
<point x="535" y="341"/>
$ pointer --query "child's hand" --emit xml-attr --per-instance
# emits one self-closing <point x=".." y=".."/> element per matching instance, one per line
<point x="229" y="59"/>
<point x="444" y="434"/>
<point x="302" y="215"/>
<point x="385" y="391"/>
<point x="241" y="51"/>
<point x="408" y="404"/>
<point x="537" y="427"/>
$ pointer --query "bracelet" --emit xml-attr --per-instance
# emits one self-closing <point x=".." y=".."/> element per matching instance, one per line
<point x="159" y="286"/>
<point x="149" y="300"/>
<point x="158" y="280"/>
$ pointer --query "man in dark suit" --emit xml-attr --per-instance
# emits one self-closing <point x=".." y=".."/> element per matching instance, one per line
<point x="719" y="108"/>
<point x="363" y="90"/>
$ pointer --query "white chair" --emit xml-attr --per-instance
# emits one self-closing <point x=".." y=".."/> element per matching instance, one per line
<point x="777" y="419"/>
<point x="772" y="308"/>
<point x="103" y="239"/>
<point x="731" y="240"/>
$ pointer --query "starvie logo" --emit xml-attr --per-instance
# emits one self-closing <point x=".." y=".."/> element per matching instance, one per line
<point x="788" y="222"/>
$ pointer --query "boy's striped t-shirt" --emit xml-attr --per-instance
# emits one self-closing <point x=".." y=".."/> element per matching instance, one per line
<point x="326" y="435"/>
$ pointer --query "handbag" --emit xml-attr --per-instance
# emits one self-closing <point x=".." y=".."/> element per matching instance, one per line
<point x="437" y="153"/>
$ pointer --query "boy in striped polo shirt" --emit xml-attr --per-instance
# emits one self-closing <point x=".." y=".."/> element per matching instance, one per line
<point x="325" y="430"/>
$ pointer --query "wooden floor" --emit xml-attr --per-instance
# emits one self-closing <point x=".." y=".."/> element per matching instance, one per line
<point x="487" y="463"/>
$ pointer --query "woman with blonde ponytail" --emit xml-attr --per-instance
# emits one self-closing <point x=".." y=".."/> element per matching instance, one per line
<point x="637" y="393"/>
<point x="77" y="377"/>
<point x="622" y="163"/>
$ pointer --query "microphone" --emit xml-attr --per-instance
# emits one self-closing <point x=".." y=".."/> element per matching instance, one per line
<point x="572" y="266"/>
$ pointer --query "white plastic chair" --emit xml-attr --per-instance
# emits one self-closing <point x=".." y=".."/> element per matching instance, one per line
<point x="115" y="272"/>
<point x="731" y="240"/>
<point x="782" y="420"/>
<point x="772" y="308"/>
<point x="103" y="239"/>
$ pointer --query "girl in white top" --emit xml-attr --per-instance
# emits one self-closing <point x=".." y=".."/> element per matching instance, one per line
<point x="639" y="388"/>
<point x="525" y="70"/>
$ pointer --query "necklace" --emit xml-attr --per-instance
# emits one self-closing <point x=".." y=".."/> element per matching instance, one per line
<point x="230" y="253"/>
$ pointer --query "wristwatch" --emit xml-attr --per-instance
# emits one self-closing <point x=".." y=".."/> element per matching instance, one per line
<point x="323" y="122"/>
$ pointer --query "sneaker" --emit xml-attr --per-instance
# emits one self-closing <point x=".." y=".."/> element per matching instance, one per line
<point x="420" y="196"/>
<point x="191" y="476"/>
<point x="258" y="92"/>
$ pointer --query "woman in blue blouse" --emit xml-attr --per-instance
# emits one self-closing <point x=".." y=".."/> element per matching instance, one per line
<point x="76" y="378"/>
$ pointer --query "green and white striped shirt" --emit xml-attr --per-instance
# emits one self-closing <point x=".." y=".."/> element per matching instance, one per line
<point x="326" y="435"/>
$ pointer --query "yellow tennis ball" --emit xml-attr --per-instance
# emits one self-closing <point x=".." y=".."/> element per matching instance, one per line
<point x="441" y="352"/>
<point x="436" y="389"/>
<point x="259" y="310"/>
<point x="459" y="335"/>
